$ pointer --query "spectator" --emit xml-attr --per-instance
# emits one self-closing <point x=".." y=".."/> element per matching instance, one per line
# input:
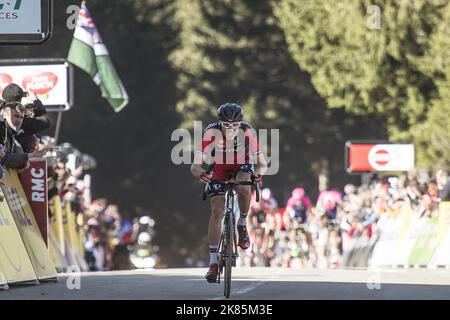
<point x="13" y="116"/>
<point x="35" y="115"/>
<point x="337" y="222"/>
<point x="268" y="202"/>
<point x="443" y="184"/>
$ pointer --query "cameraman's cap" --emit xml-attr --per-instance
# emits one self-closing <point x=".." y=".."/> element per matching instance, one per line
<point x="13" y="92"/>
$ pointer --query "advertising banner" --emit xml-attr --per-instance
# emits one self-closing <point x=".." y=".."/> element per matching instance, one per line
<point x="27" y="225"/>
<point x="15" y="263"/>
<point x="34" y="182"/>
<point x="3" y="284"/>
<point x="58" y="258"/>
<point x="442" y="254"/>
<point x="426" y="243"/>
<point x="56" y="221"/>
<point x="50" y="82"/>
<point x="20" y="17"/>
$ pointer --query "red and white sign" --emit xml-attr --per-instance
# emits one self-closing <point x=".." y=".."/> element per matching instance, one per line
<point x="50" y="82"/>
<point x="40" y="82"/>
<point x="380" y="157"/>
<point x="34" y="182"/>
<point x="5" y="79"/>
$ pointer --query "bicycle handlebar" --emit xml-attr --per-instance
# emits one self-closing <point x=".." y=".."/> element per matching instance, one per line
<point x="205" y="191"/>
<point x="233" y="183"/>
<point x="257" y="191"/>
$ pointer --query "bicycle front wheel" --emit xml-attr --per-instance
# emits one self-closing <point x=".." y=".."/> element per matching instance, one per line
<point x="229" y="258"/>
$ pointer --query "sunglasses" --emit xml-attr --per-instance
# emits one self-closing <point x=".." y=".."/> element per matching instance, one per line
<point x="230" y="125"/>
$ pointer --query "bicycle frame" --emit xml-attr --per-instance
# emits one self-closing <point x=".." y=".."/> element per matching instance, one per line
<point x="226" y="223"/>
<point x="228" y="252"/>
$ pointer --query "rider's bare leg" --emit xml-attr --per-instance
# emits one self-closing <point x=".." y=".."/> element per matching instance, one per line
<point x="244" y="197"/>
<point x="215" y="225"/>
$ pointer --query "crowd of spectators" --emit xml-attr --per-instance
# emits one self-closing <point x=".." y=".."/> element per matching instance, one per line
<point x="108" y="237"/>
<point x="307" y="234"/>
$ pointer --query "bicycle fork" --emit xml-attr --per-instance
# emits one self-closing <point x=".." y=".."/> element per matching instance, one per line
<point x="229" y="214"/>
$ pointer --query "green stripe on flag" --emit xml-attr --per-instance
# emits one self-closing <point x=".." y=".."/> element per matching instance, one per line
<point x="110" y="86"/>
<point x="82" y="56"/>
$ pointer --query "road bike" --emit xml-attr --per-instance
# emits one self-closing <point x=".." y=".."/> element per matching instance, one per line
<point x="227" y="249"/>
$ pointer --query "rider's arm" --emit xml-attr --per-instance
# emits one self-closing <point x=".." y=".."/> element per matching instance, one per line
<point x="307" y="202"/>
<point x="290" y="208"/>
<point x="261" y="164"/>
<point x="256" y="154"/>
<point x="198" y="167"/>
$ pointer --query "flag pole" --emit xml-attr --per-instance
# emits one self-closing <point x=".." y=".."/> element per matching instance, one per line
<point x="58" y="126"/>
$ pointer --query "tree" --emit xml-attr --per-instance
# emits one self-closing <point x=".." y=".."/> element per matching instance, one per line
<point x="374" y="71"/>
<point x="235" y="51"/>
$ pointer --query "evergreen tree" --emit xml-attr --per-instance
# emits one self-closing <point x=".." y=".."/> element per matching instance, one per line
<point x="369" y="70"/>
<point x="235" y="51"/>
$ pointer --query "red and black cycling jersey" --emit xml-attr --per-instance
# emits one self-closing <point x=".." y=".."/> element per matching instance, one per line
<point x="244" y="147"/>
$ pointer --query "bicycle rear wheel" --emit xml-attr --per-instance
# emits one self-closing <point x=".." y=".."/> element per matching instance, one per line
<point x="228" y="258"/>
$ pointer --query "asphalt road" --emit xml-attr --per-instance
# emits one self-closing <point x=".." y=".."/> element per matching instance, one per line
<point x="248" y="284"/>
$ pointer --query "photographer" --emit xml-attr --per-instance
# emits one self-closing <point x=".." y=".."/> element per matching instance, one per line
<point x="35" y="115"/>
<point x="13" y="114"/>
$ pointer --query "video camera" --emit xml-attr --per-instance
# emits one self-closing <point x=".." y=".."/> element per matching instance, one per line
<point x="76" y="158"/>
<point x="69" y="155"/>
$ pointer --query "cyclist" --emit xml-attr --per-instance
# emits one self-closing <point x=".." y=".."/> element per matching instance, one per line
<point x="298" y="205"/>
<point x="328" y="203"/>
<point x="229" y="149"/>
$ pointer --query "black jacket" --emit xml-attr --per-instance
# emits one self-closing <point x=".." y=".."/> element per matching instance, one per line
<point x="36" y="124"/>
<point x="15" y="158"/>
<point x="31" y="126"/>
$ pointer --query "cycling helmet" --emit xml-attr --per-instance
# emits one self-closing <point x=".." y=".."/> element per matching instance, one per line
<point x="266" y="194"/>
<point x="298" y="193"/>
<point x="144" y="237"/>
<point x="146" y="220"/>
<point x="230" y="112"/>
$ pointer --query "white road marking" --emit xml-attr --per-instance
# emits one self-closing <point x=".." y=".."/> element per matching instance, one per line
<point x="242" y="290"/>
<point x="250" y="287"/>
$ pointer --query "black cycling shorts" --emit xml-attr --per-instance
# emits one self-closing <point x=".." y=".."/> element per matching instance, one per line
<point x="218" y="189"/>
